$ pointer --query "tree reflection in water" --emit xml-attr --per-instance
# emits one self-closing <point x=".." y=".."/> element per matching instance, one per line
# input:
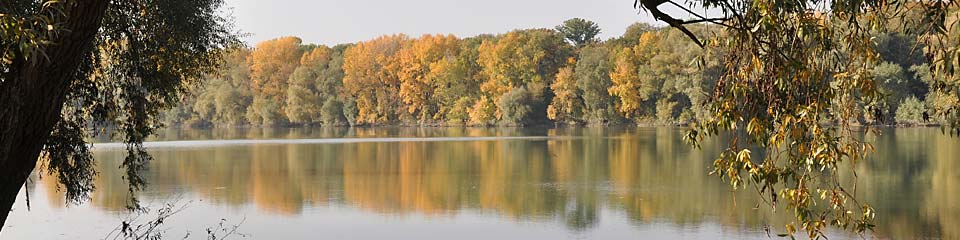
<point x="646" y="174"/>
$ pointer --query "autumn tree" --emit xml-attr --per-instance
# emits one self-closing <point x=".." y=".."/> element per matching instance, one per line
<point x="270" y="70"/>
<point x="483" y="112"/>
<point x="456" y="80"/>
<point x="626" y="83"/>
<point x="527" y="59"/>
<point x="634" y="83"/>
<point x="567" y="104"/>
<point x="421" y="65"/>
<point x="370" y="77"/>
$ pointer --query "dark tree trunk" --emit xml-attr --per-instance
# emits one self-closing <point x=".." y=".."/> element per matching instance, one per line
<point x="31" y="102"/>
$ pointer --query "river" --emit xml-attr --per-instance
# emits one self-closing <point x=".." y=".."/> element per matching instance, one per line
<point x="476" y="183"/>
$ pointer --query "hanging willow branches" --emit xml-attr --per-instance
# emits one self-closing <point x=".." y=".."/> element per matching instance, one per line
<point x="796" y="77"/>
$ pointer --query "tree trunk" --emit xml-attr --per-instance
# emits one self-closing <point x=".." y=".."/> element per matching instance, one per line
<point x="31" y="102"/>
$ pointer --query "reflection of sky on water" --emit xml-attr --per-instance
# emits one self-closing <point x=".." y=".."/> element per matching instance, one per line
<point x="485" y="184"/>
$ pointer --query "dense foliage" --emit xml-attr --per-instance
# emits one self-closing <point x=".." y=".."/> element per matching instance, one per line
<point x="789" y="84"/>
<point x="73" y="69"/>
<point x="769" y="72"/>
<point x="650" y="75"/>
<point x="798" y="78"/>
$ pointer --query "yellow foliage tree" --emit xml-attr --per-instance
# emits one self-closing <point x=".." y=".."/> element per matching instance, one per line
<point x="483" y="112"/>
<point x="319" y="56"/>
<point x="633" y="82"/>
<point x="567" y="105"/>
<point x="270" y="69"/>
<point x="370" y="76"/>
<point x="522" y="59"/>
<point x="625" y="78"/>
<point x="416" y="61"/>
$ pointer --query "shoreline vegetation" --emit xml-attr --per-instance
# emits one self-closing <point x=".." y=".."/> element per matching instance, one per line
<point x="649" y="76"/>
<point x="536" y="125"/>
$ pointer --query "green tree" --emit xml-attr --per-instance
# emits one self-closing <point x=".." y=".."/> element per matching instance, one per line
<point x="330" y="85"/>
<point x="303" y="101"/>
<point x="911" y="111"/>
<point x="221" y="100"/>
<point x="900" y="48"/>
<point x="204" y="109"/>
<point x="266" y="111"/>
<point x="674" y="72"/>
<point x="665" y="110"/>
<point x="631" y="36"/>
<point x="67" y="64"/>
<point x="940" y="18"/>
<point x="894" y="85"/>
<point x="938" y="103"/>
<point x="593" y="79"/>
<point x="579" y="31"/>
<point x="304" y="97"/>
<point x="233" y="94"/>
<point x="332" y="112"/>
<point x="515" y="107"/>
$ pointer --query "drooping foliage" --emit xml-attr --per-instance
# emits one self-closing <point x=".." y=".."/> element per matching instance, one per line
<point x="786" y="67"/>
<point x="74" y="69"/>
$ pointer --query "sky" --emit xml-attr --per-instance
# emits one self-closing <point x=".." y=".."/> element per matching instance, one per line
<point x="331" y="22"/>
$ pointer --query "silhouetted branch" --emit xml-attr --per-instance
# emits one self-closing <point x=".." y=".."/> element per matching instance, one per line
<point x="133" y="229"/>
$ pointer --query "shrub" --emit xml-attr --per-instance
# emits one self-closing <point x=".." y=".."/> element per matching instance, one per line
<point x="665" y="109"/>
<point x="332" y="112"/>
<point x="460" y="113"/>
<point x="514" y="106"/>
<point x="911" y="111"/>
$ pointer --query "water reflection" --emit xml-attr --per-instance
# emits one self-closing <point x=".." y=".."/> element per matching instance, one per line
<point x="648" y="175"/>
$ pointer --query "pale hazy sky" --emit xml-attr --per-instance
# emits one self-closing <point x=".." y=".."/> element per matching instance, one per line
<point x="341" y="21"/>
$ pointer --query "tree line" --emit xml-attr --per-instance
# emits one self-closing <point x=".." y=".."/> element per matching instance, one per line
<point x="649" y="75"/>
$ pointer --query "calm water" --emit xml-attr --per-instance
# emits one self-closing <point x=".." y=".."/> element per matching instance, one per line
<point x="452" y="183"/>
